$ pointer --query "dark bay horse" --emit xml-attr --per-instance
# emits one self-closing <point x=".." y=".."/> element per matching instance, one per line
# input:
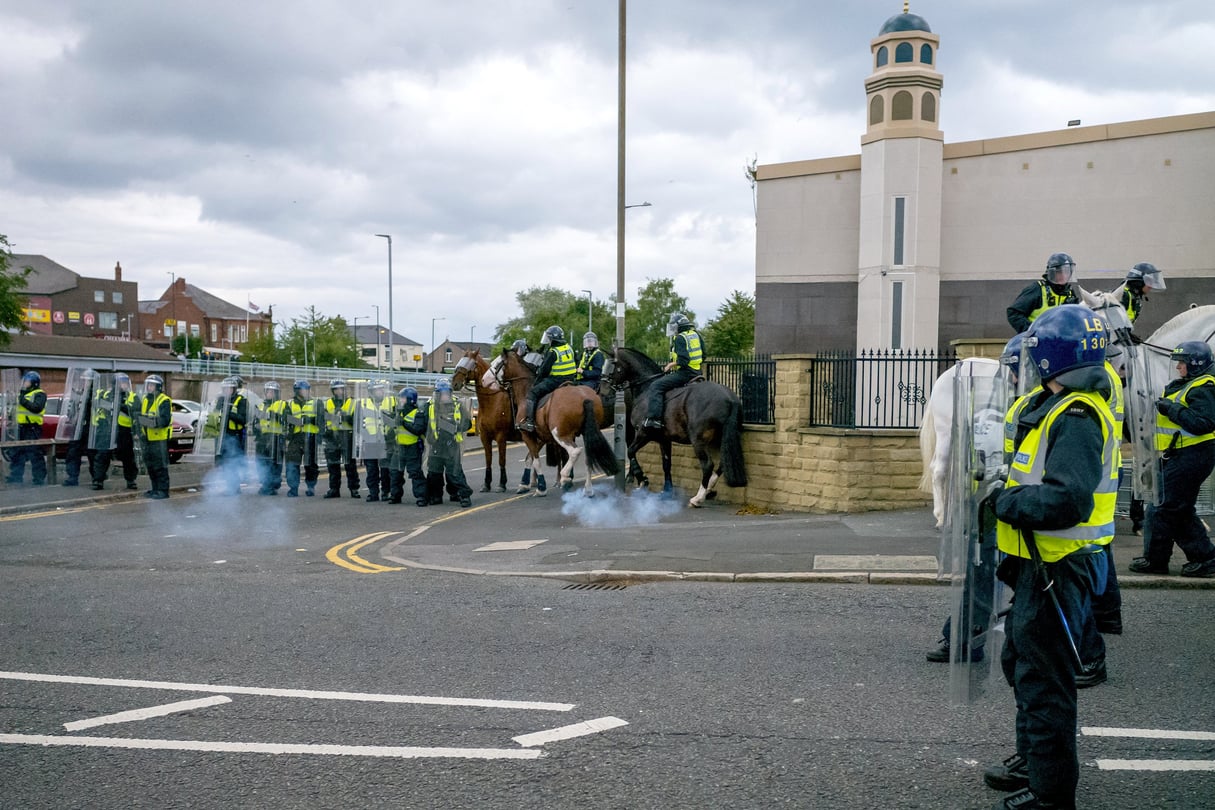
<point x="496" y="420"/>
<point x="570" y="412"/>
<point x="704" y="414"/>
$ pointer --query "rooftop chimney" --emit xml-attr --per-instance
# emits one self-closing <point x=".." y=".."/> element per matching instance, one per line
<point x="117" y="271"/>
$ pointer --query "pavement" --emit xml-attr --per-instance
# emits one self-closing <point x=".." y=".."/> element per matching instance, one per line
<point x="613" y="537"/>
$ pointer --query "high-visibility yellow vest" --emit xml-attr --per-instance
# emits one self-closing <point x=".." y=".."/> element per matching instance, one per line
<point x="1117" y="400"/>
<point x="404" y="436"/>
<point x="585" y="363"/>
<point x="100" y="414"/>
<point x="695" y="352"/>
<point x="564" y="365"/>
<point x="1028" y="467"/>
<point x="346" y="408"/>
<point x="304" y="413"/>
<point x="155" y="434"/>
<point x="434" y="427"/>
<point x="1010" y="423"/>
<point x="1050" y="298"/>
<point x="271" y="416"/>
<point x="234" y="426"/>
<point x="124" y="413"/>
<point x="1171" y="435"/>
<point x="24" y="415"/>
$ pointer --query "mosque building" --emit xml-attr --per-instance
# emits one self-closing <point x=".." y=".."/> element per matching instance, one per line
<point x="926" y="242"/>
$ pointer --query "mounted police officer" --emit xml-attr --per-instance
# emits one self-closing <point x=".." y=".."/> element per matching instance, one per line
<point x="1141" y="279"/>
<point x="1055" y="518"/>
<point x="269" y="429"/>
<point x="155" y="421"/>
<point x="303" y="433"/>
<point x="590" y="366"/>
<point x="687" y="353"/>
<point x="446" y="424"/>
<point x="557" y="367"/>
<point x="410" y="441"/>
<point x="1052" y="290"/>
<point x="31" y="402"/>
<point x="1185" y="434"/>
<point x="338" y="434"/>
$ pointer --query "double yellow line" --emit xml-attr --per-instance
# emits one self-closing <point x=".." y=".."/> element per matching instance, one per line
<point x="346" y="554"/>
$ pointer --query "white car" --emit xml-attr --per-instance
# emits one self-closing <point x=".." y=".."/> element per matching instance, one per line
<point x="185" y="414"/>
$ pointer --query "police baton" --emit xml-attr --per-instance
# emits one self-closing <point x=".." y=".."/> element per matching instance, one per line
<point x="1040" y="569"/>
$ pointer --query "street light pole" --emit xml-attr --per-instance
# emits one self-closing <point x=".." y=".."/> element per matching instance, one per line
<point x="589" y="307"/>
<point x="391" y="359"/>
<point x="618" y="436"/>
<point x="378" y="353"/>
<point x="471" y="330"/>
<point x="432" y="341"/>
<point x="172" y="305"/>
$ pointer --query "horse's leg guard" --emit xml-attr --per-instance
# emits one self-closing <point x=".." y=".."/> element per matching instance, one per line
<point x="502" y="479"/>
<point x="541" y="485"/>
<point x="489" y="479"/>
<point x="525" y="483"/>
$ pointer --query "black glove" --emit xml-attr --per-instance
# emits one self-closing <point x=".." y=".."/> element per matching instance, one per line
<point x="1163" y="405"/>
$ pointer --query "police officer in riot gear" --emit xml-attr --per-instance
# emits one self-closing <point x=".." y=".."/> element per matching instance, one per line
<point x="446" y="424"/>
<point x="1141" y="279"/>
<point x="1055" y="518"/>
<point x="557" y="367"/>
<point x="156" y="420"/>
<point x="233" y="408"/>
<point x="31" y="402"/>
<point x="268" y="437"/>
<point x="124" y="443"/>
<point x="1185" y="435"/>
<point x="590" y="366"/>
<point x="1052" y="290"/>
<point x="339" y="441"/>
<point x="410" y="441"/>
<point x="302" y="438"/>
<point x="687" y="353"/>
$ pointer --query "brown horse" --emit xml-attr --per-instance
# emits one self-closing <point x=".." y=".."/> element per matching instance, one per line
<point x="496" y="419"/>
<point x="561" y="417"/>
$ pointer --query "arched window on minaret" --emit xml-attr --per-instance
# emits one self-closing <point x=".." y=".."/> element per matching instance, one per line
<point x="883" y="56"/>
<point x="926" y="54"/>
<point x="928" y="107"/>
<point x="904" y="52"/>
<point x="877" y="110"/>
<point x="900" y="106"/>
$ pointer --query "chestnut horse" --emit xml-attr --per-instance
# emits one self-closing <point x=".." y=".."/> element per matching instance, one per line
<point x="561" y="417"/>
<point x="496" y="419"/>
<point x="706" y="415"/>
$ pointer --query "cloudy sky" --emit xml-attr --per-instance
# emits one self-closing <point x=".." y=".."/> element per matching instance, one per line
<point x="256" y="148"/>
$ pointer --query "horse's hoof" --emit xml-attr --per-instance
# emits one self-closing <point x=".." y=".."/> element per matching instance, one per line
<point x="712" y="494"/>
<point x="566" y="486"/>
<point x="523" y="490"/>
<point x="502" y="488"/>
<point x="694" y="504"/>
<point x="540" y="493"/>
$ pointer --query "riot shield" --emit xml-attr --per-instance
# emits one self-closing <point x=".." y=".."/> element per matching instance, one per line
<point x="74" y="409"/>
<point x="1140" y="392"/>
<point x="10" y="390"/>
<point x="208" y="436"/>
<point x="103" y="421"/>
<point x="976" y="471"/>
<point x="270" y="429"/>
<point x="369" y="425"/>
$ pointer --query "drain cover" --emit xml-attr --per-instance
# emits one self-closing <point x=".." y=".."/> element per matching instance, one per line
<point x="595" y="586"/>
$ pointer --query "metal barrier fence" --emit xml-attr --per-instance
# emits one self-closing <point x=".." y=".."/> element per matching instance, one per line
<point x="753" y="379"/>
<point x="878" y="388"/>
<point x="314" y="374"/>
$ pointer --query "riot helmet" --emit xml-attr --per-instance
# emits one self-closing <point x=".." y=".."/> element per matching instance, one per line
<point x="443" y="391"/>
<point x="33" y="378"/>
<point x="1010" y="358"/>
<point x="519" y="347"/>
<point x="122" y="381"/>
<point x="1064" y="338"/>
<point x="1144" y="274"/>
<point x="1196" y="355"/>
<point x="678" y="323"/>
<point x="337" y="385"/>
<point x="229" y="384"/>
<point x="409" y="397"/>
<point x="153" y="384"/>
<point x="554" y="334"/>
<point x="590" y="341"/>
<point x="1059" y="269"/>
<point x="301" y="385"/>
<point x="272" y="387"/>
<point x="379" y="388"/>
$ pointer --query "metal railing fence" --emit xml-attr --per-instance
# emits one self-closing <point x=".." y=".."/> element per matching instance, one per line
<point x="875" y="389"/>
<point x="313" y="374"/>
<point x="753" y="379"/>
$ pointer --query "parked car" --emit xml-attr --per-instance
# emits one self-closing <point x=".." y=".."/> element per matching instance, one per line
<point x="185" y="413"/>
<point x="181" y="437"/>
<point x="474" y="410"/>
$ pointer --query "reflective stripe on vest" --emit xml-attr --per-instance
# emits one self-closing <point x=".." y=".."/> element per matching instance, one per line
<point x="1027" y="470"/>
<point x="564" y="365"/>
<point x="271" y="416"/>
<point x="1010" y="423"/>
<point x="695" y="353"/>
<point x="1167" y="430"/>
<point x="584" y="364"/>
<point x="1050" y="298"/>
<point x="306" y="413"/>
<point x="26" y="416"/>
<point x="124" y="414"/>
<point x="434" y="427"/>
<point x="347" y="408"/>
<point x="234" y="426"/>
<point x="155" y="434"/>
<point x="404" y="436"/>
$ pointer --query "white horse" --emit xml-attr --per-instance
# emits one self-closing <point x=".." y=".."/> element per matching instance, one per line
<point x="937" y="427"/>
<point x="1192" y="324"/>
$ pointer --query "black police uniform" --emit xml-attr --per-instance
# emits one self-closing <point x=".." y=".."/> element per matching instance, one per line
<point x="1030" y="304"/>
<point x="681" y="375"/>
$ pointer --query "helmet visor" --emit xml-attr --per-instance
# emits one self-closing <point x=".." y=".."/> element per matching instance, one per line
<point x="1060" y="274"/>
<point x="1154" y="280"/>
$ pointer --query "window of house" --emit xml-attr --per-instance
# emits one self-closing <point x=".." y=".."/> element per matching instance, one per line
<point x="900" y="216"/>
<point x="447" y="357"/>
<point x="896" y="315"/>
<point x="116" y="297"/>
<point x="883" y="56"/>
<point x="877" y="110"/>
<point x="214" y="332"/>
<point x="928" y="107"/>
<point x="98" y="296"/>
<point x="904" y="52"/>
<point x="107" y="320"/>
<point x="900" y="106"/>
<point x="926" y="54"/>
<point x="195" y="329"/>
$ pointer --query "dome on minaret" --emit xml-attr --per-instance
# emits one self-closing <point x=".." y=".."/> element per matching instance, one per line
<point x="904" y="22"/>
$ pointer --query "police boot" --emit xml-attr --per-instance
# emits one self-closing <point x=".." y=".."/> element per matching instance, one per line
<point x="529" y="417"/>
<point x="1011" y="774"/>
<point x="1026" y="799"/>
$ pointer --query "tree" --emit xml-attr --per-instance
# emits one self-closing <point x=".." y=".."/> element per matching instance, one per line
<point x="262" y="347"/>
<point x="320" y="341"/>
<point x="543" y="307"/>
<point x="12" y="302"/>
<point x="645" y="326"/>
<point x="732" y="332"/>
<point x="189" y="346"/>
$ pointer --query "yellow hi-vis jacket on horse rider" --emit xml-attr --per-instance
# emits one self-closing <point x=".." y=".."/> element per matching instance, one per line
<point x="693" y="349"/>
<point x="1028" y="467"/>
<point x="1169" y="434"/>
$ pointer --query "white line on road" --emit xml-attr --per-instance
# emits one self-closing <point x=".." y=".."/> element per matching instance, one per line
<point x="567" y="732"/>
<point x="1156" y="764"/>
<point x="1147" y="733"/>
<point x="293" y="693"/>
<point x="399" y="752"/>
<point x="144" y="714"/>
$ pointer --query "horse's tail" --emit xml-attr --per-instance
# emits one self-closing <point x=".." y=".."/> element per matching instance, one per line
<point x="599" y="454"/>
<point x="928" y="448"/>
<point x="734" y="470"/>
<point x="554" y="456"/>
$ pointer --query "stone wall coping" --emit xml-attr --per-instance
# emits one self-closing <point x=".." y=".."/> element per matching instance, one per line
<point x="874" y="432"/>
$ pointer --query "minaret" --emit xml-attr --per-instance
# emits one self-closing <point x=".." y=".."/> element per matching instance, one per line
<point x="901" y="175"/>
